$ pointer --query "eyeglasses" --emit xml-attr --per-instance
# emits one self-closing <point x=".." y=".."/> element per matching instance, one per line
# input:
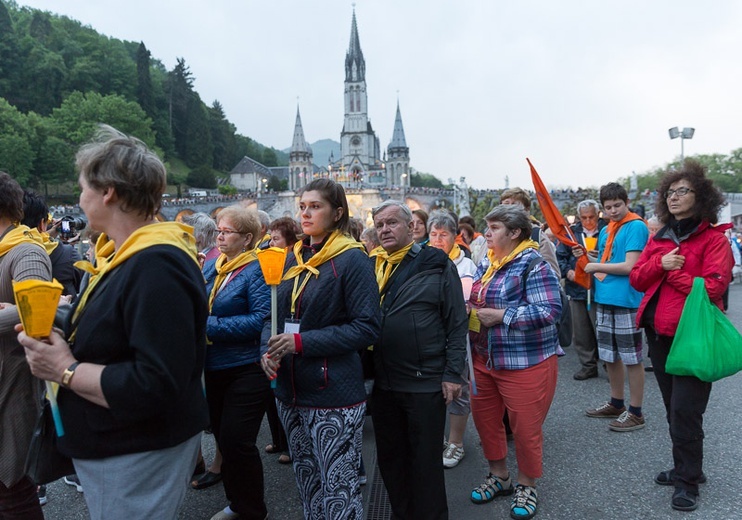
<point x="680" y="192"/>
<point x="227" y="232"/>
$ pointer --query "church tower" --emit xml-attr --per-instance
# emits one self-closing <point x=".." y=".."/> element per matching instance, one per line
<point x="300" y="158"/>
<point x="358" y="143"/>
<point x="398" y="155"/>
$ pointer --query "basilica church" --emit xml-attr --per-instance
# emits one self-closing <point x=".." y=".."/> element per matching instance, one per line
<point x="362" y="164"/>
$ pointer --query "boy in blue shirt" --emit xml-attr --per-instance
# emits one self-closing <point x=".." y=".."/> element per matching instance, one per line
<point x="619" y="340"/>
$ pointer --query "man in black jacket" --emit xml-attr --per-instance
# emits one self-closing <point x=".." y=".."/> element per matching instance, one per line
<point x="63" y="256"/>
<point x="418" y="359"/>
<point x="583" y="319"/>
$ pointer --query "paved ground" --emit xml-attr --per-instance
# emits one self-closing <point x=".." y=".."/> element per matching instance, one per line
<point x="590" y="472"/>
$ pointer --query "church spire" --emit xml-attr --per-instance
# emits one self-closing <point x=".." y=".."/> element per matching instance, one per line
<point x="299" y="144"/>
<point x="398" y="139"/>
<point x="355" y="65"/>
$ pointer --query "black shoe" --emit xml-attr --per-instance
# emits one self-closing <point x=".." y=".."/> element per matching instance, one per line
<point x="666" y="478"/>
<point x="585" y="373"/>
<point x="649" y="368"/>
<point x="208" y="479"/>
<point x="683" y="500"/>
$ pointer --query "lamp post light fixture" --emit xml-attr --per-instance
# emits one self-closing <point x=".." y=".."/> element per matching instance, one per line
<point x="686" y="133"/>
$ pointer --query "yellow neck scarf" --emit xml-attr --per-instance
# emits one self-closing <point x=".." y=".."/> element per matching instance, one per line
<point x="49" y="244"/>
<point x="376" y="251"/>
<point x="224" y="267"/>
<point x="386" y="264"/>
<point x="336" y="244"/>
<point x="20" y="235"/>
<point x="108" y="257"/>
<point x="496" y="264"/>
<point x="455" y="252"/>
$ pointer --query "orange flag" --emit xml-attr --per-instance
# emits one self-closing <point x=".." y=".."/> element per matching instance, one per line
<point x="559" y="226"/>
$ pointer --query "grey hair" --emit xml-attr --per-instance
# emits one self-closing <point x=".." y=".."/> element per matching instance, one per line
<point x="513" y="217"/>
<point x="405" y="210"/>
<point x="588" y="203"/>
<point x="124" y="163"/>
<point x="370" y="234"/>
<point x="265" y="219"/>
<point x="204" y="229"/>
<point x="442" y="219"/>
<point x="653" y="220"/>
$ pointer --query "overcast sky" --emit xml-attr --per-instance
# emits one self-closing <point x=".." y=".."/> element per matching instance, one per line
<point x="586" y="89"/>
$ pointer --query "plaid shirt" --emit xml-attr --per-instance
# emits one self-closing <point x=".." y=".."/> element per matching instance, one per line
<point x="528" y="335"/>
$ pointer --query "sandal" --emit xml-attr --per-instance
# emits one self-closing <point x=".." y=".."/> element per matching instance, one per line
<point x="208" y="479"/>
<point x="524" y="503"/>
<point x="284" y="458"/>
<point x="493" y="486"/>
<point x="667" y="478"/>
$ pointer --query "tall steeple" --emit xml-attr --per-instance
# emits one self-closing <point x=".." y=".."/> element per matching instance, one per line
<point x="299" y="144"/>
<point x="360" y="160"/>
<point x="301" y="168"/>
<point x="398" y="158"/>
<point x="398" y="140"/>
<point x="355" y="65"/>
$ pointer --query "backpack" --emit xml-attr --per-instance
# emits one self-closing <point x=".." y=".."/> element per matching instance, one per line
<point x="564" y="325"/>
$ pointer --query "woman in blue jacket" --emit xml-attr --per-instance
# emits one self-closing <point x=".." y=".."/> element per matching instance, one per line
<point x="236" y="387"/>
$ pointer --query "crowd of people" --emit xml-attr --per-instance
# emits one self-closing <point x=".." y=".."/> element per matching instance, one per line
<point x="171" y="333"/>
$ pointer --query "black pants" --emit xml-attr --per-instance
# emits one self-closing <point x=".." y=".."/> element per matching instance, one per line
<point x="409" y="435"/>
<point x="238" y="398"/>
<point x="20" y="501"/>
<point x="685" y="399"/>
<point x="278" y="435"/>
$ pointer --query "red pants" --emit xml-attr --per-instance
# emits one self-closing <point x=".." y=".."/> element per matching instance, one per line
<point x="527" y="396"/>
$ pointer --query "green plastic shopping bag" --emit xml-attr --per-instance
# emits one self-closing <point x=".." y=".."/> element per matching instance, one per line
<point x="706" y="344"/>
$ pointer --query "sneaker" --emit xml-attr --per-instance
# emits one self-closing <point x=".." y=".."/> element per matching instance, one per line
<point x="667" y="478"/>
<point x="226" y="514"/>
<point x="493" y="487"/>
<point x="627" y="422"/>
<point x="453" y="455"/>
<point x="72" y="480"/>
<point x="585" y="373"/>
<point x="41" y="492"/>
<point x="524" y="502"/>
<point x="605" y="411"/>
<point x="684" y="500"/>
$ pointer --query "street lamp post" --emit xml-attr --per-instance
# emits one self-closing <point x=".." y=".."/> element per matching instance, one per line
<point x="404" y="184"/>
<point x="686" y="133"/>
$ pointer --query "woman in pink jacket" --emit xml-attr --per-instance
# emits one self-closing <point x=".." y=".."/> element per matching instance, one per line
<point x="687" y="246"/>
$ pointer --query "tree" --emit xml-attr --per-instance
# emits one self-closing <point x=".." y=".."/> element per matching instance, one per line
<point x="425" y="180"/>
<point x="198" y="148"/>
<point x="222" y="138"/>
<point x="202" y="177"/>
<point x="180" y="92"/>
<point x="16" y="152"/>
<point x="76" y="120"/>
<point x="269" y="157"/>
<point x="145" y="93"/>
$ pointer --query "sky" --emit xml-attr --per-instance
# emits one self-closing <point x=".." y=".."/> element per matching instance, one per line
<point x="586" y="89"/>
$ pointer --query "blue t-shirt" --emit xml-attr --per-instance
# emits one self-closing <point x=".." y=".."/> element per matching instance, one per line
<point x="615" y="289"/>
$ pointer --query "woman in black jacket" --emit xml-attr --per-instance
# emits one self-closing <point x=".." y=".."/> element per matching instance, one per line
<point x="328" y="311"/>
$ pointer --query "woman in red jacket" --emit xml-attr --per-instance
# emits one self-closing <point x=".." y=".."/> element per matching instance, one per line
<point x="687" y="246"/>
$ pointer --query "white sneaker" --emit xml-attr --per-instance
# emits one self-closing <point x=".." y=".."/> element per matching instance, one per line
<point x="453" y="455"/>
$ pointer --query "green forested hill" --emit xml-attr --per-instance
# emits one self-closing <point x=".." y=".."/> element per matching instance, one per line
<point x="59" y="79"/>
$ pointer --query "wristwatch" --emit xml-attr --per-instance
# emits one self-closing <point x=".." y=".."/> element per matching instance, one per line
<point x="67" y="374"/>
